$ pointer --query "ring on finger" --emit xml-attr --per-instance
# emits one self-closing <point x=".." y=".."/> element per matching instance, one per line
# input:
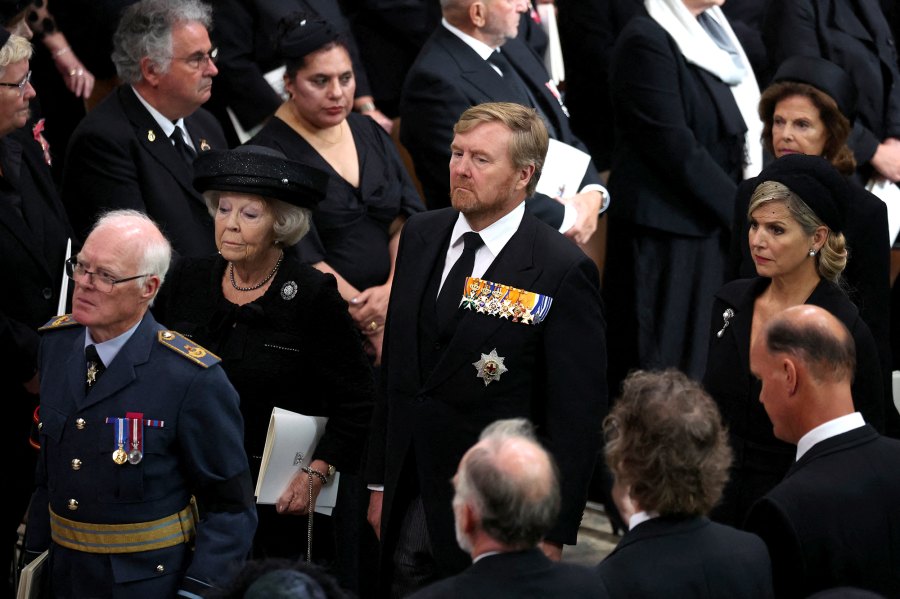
<point x="373" y="326"/>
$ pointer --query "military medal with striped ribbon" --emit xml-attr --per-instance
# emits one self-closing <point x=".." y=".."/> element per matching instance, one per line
<point x="503" y="301"/>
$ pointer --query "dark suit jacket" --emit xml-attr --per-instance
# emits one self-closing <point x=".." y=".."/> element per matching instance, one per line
<point x="694" y="558"/>
<point x="679" y="137"/>
<point x="556" y="377"/>
<point x="860" y="42"/>
<point x="447" y="78"/>
<point x="119" y="158"/>
<point x="516" y="575"/>
<point x="834" y="520"/>
<point x="180" y="459"/>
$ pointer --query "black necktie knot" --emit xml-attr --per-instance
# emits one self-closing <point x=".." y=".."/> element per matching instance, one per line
<point x="454" y="285"/>
<point x="184" y="150"/>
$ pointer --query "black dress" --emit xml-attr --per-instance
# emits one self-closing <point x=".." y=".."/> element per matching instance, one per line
<point x="295" y="348"/>
<point x="350" y="229"/>
<point x="760" y="459"/>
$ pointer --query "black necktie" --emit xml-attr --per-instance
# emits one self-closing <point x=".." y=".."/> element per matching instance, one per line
<point x="454" y="285"/>
<point x="95" y="366"/>
<point x="186" y="153"/>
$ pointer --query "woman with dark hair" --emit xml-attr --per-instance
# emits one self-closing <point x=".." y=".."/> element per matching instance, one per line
<point x="808" y="110"/>
<point x="669" y="452"/>
<point x="281" y="330"/>
<point x="797" y="214"/>
<point x="356" y="228"/>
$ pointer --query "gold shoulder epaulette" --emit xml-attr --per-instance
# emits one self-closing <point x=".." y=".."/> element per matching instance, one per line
<point x="187" y="348"/>
<point x="59" y="322"/>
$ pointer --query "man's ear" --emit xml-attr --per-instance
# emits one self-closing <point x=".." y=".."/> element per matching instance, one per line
<point x="789" y="370"/>
<point x="150" y="287"/>
<point x="150" y="72"/>
<point x="525" y="175"/>
<point x="478" y="14"/>
<point x="470" y="521"/>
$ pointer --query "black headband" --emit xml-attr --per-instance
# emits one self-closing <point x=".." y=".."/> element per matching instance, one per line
<point x="304" y="36"/>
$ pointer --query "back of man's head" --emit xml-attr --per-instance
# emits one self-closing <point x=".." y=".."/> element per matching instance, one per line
<point x="145" y="30"/>
<point x="815" y="337"/>
<point x="511" y="484"/>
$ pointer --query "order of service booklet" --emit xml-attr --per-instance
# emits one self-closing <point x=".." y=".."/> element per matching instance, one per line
<point x="31" y="578"/>
<point x="290" y="442"/>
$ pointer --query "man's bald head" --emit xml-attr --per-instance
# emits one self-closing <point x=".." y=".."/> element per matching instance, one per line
<point x="511" y="483"/>
<point x="816" y="337"/>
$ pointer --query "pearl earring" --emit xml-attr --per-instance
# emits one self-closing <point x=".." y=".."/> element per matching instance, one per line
<point x="812" y="252"/>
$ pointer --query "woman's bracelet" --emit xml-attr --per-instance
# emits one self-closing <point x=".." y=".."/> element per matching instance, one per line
<point x="312" y="471"/>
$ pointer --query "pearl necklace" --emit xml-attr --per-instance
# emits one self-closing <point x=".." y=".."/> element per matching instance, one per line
<point x="258" y="285"/>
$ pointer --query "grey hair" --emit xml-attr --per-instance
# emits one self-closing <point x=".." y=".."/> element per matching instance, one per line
<point x="155" y="251"/>
<point x="515" y="509"/>
<point x="291" y="222"/>
<point x="145" y="30"/>
<point x="15" y="49"/>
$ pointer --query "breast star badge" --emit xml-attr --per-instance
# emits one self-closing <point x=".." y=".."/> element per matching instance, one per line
<point x="490" y="367"/>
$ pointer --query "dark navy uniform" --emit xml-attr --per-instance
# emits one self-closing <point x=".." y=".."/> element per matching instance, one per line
<point x="192" y="445"/>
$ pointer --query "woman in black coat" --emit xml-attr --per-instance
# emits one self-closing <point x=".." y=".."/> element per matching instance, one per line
<point x="796" y="214"/>
<point x="281" y="329"/>
<point x="682" y="107"/>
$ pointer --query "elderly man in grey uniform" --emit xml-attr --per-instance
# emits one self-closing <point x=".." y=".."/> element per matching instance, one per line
<point x="134" y="497"/>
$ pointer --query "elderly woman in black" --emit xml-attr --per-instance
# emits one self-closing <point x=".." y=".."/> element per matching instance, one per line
<point x="797" y="214"/>
<point x="281" y="329"/>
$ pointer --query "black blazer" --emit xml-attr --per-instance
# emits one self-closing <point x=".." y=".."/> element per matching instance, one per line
<point x="679" y="137"/>
<point x="119" y="158"/>
<point x="694" y="558"/>
<point x="834" y="521"/>
<point x="860" y="42"/>
<point x="516" y="575"/>
<point x="556" y="377"/>
<point x="447" y="78"/>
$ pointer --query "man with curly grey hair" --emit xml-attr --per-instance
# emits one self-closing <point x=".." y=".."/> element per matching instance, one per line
<point x="136" y="149"/>
<point x="506" y="499"/>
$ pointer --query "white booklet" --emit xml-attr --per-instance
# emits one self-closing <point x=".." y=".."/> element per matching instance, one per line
<point x="32" y="577"/>
<point x="290" y="442"/>
<point x="564" y="169"/>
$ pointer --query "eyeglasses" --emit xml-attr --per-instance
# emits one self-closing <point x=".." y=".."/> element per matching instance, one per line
<point x="200" y="59"/>
<point x="20" y="85"/>
<point x="100" y="280"/>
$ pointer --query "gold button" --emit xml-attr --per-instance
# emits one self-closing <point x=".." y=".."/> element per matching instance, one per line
<point x="76" y="464"/>
<point x="73" y="504"/>
<point x="160" y="568"/>
<point x="80" y="423"/>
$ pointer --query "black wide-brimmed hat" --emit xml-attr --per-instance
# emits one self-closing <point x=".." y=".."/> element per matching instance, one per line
<point x="816" y="182"/>
<point x="825" y="76"/>
<point x="260" y="171"/>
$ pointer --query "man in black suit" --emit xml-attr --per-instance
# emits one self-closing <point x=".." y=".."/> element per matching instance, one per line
<point x="135" y="150"/>
<point x="462" y="65"/>
<point x="526" y="340"/>
<point x="833" y="521"/>
<point x="506" y="498"/>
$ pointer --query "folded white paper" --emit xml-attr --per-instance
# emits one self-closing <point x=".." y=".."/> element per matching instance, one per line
<point x="564" y="169"/>
<point x="889" y="193"/>
<point x="290" y="442"/>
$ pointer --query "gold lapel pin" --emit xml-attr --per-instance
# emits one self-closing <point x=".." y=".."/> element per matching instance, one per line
<point x="151" y="136"/>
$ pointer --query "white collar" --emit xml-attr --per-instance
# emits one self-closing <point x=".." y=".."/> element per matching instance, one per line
<point x="496" y="235"/>
<point x="832" y="428"/>
<point x="640" y="518"/>
<point x="482" y="49"/>
<point x="165" y="124"/>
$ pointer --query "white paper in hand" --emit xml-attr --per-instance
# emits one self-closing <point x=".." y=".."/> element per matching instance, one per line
<point x="290" y="442"/>
<point x="564" y="169"/>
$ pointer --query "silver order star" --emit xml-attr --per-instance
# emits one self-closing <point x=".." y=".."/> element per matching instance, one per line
<point x="490" y="367"/>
